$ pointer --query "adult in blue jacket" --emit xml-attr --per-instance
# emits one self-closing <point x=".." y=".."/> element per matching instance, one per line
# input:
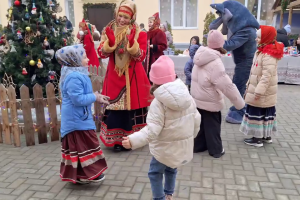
<point x="82" y="158"/>
<point x="240" y="27"/>
<point x="189" y="65"/>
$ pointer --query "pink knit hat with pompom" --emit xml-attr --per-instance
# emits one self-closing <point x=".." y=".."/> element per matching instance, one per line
<point x="162" y="71"/>
<point x="215" y="39"/>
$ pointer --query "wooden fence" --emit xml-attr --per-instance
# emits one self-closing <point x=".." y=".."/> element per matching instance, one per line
<point x="11" y="129"/>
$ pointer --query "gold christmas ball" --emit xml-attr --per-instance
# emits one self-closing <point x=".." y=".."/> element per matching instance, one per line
<point x="28" y="28"/>
<point x="32" y="62"/>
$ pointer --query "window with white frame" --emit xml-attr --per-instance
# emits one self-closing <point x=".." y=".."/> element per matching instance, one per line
<point x="181" y="14"/>
<point x="260" y="9"/>
<point x="70" y="11"/>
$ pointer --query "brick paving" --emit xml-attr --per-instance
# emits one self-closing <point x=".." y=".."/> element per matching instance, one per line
<point x="244" y="173"/>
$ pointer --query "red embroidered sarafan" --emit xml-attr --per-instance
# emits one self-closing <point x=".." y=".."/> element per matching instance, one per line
<point x="139" y="83"/>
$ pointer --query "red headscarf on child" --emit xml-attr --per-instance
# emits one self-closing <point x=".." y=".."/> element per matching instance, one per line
<point x="268" y="44"/>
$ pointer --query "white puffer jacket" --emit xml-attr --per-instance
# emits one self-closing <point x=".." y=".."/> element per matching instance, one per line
<point x="172" y="124"/>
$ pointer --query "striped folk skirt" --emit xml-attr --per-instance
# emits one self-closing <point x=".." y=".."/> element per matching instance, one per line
<point x="259" y="122"/>
<point x="82" y="157"/>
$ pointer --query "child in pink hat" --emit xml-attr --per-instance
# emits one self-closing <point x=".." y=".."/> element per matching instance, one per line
<point x="172" y="124"/>
<point x="209" y="83"/>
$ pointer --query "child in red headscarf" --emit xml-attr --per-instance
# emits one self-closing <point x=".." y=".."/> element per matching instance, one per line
<point x="259" y="122"/>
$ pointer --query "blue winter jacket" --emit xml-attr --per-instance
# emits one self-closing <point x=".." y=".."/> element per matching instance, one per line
<point x="77" y="99"/>
<point x="190" y="64"/>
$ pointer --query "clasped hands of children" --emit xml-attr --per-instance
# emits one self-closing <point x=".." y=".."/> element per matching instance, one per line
<point x="101" y="98"/>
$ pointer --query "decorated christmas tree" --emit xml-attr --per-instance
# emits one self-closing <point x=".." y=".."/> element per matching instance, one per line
<point x="32" y="37"/>
<point x="210" y="17"/>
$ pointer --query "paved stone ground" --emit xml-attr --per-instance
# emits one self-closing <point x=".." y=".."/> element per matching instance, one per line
<point x="244" y="173"/>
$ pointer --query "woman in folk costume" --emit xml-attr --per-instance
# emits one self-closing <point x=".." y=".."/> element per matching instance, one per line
<point x="86" y="38"/>
<point x="157" y="42"/>
<point x="126" y="82"/>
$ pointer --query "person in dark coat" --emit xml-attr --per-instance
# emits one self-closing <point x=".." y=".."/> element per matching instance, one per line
<point x="69" y="25"/>
<point x="189" y="65"/>
<point x="282" y="35"/>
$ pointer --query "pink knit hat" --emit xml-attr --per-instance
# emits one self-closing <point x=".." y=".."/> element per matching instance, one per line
<point x="162" y="71"/>
<point x="215" y="39"/>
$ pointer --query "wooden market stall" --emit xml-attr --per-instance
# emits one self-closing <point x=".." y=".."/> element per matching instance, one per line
<point x="283" y="6"/>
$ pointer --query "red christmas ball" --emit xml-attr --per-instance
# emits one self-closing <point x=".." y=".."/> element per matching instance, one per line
<point x="17" y="3"/>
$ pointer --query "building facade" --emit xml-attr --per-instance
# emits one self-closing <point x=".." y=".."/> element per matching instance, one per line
<point x="185" y="16"/>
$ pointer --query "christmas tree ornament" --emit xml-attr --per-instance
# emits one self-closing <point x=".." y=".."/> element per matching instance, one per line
<point x="19" y="35"/>
<point x="17" y="3"/>
<point x="13" y="26"/>
<point x="46" y="43"/>
<point x="27" y="16"/>
<point x="32" y="62"/>
<point x="33" y="78"/>
<point x="38" y="33"/>
<point x="51" y="75"/>
<point x="4" y="49"/>
<point x="10" y="13"/>
<point x="24" y="71"/>
<point x="41" y="19"/>
<point x="33" y="11"/>
<point x="13" y="49"/>
<point x="65" y="41"/>
<point x="55" y="32"/>
<point x="28" y="29"/>
<point x="81" y="33"/>
<point x="29" y="37"/>
<point x="50" y="54"/>
<point x="40" y="64"/>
